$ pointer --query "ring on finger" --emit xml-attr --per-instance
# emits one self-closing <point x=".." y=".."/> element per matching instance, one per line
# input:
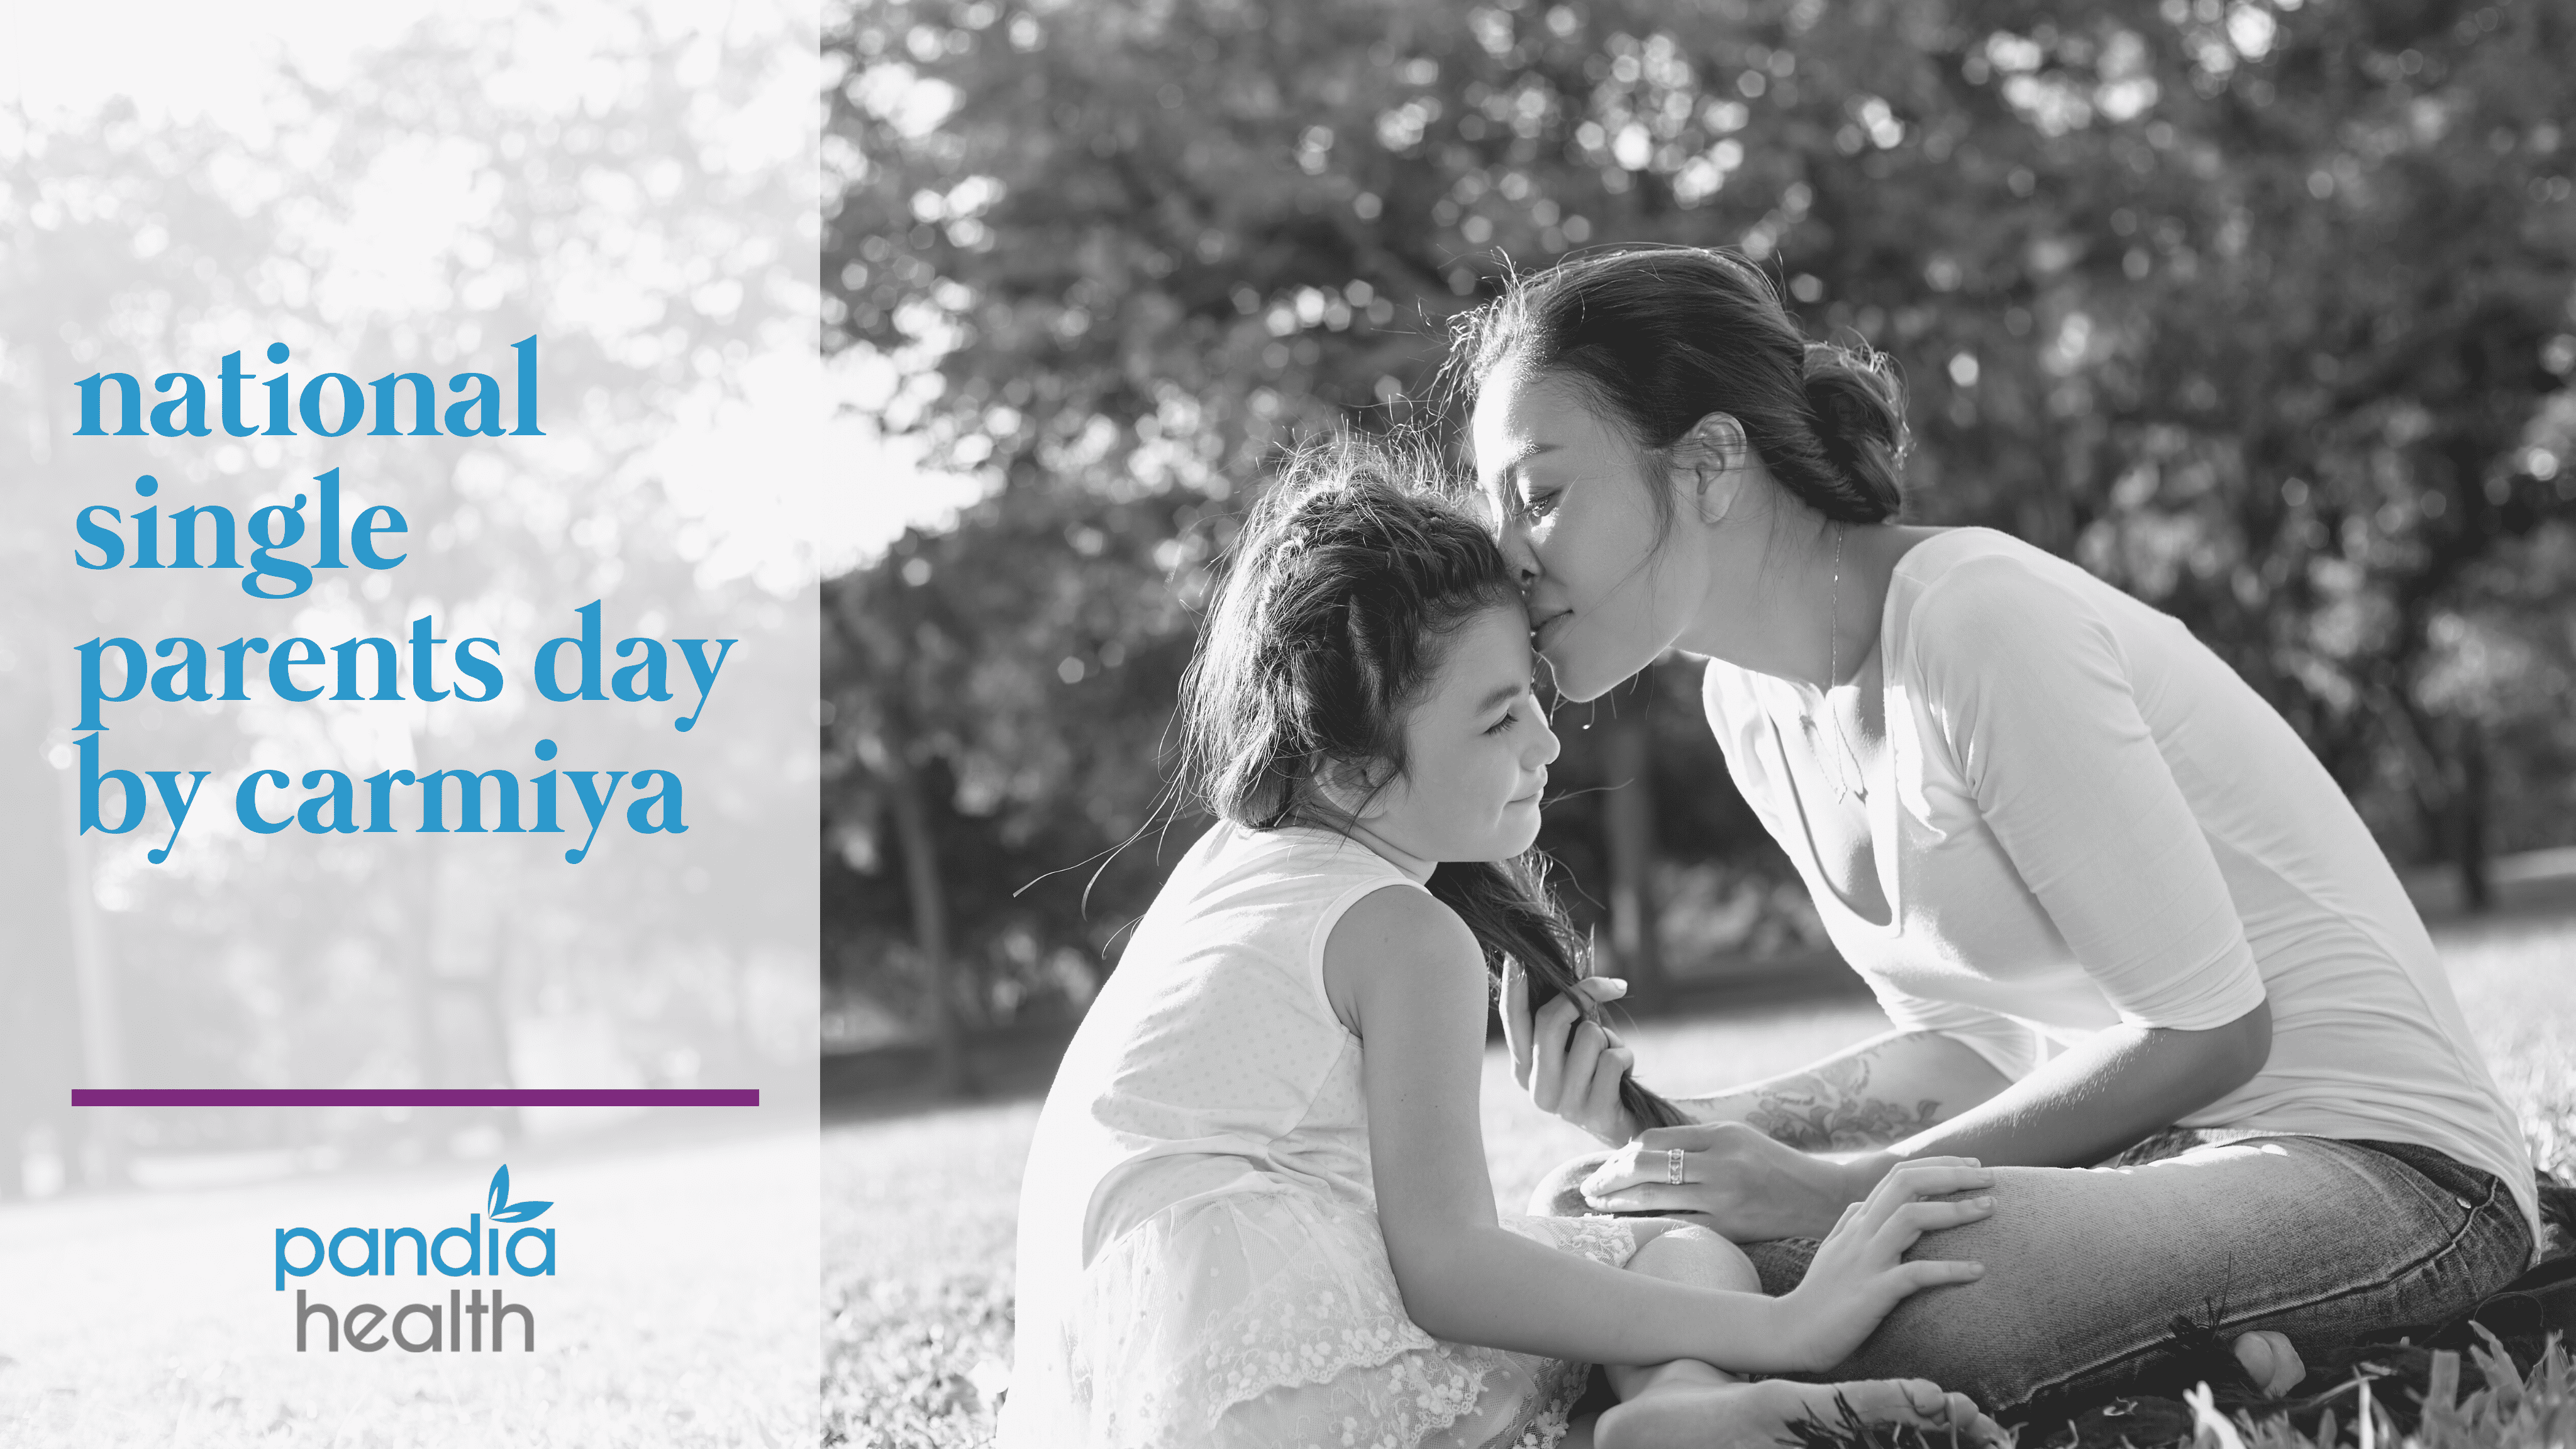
<point x="1673" y="1166"/>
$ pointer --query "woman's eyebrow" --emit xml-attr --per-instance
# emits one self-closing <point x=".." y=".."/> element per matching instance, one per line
<point x="1517" y="460"/>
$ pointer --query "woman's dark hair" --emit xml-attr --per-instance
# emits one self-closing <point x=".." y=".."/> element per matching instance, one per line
<point x="1345" y="585"/>
<point x="1661" y="337"/>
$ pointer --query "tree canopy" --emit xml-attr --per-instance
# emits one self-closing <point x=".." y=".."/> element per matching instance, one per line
<point x="2265" y="311"/>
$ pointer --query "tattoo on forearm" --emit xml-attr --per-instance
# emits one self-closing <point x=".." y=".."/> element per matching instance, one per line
<point x="1828" y="1111"/>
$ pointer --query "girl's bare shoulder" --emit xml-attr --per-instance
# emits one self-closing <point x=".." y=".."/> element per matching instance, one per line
<point x="1399" y="942"/>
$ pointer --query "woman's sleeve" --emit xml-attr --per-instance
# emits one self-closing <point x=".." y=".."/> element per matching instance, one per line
<point x="2010" y="1047"/>
<point x="2029" y="683"/>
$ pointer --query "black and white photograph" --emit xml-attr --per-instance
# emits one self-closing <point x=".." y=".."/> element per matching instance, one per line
<point x="1702" y="723"/>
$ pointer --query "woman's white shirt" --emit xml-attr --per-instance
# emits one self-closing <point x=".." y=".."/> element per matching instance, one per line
<point x="2083" y="817"/>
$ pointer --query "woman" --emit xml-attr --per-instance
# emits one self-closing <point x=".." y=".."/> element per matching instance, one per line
<point x="2100" y="888"/>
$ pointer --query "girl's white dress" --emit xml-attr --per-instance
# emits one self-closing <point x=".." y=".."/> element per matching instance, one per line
<point x="1199" y="1256"/>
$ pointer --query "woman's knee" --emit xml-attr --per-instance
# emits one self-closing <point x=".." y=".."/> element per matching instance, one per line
<point x="1560" y="1193"/>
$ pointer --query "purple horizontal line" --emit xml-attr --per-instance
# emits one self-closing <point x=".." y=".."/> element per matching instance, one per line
<point x="415" y="1097"/>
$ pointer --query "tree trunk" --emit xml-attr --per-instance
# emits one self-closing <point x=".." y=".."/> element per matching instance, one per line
<point x="102" y="1134"/>
<point x="415" y="958"/>
<point x="2469" y="813"/>
<point x="1628" y="819"/>
<point x="41" y="1017"/>
<point x="492" y="1000"/>
<point x="929" y="921"/>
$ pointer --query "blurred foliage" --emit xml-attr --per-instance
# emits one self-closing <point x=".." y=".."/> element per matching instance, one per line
<point x="1007" y="682"/>
<point x="2261" y="310"/>
<point x="131" y="240"/>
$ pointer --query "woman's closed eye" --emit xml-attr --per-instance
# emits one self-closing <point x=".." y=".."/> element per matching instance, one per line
<point x="1538" y="505"/>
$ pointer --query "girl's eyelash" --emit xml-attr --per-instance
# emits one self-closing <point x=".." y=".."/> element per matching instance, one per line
<point x="1500" y="725"/>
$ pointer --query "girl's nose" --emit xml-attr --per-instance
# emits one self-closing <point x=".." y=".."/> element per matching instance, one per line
<point x="1544" y="749"/>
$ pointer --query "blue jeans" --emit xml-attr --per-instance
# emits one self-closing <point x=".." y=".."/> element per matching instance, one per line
<point x="2325" y="1241"/>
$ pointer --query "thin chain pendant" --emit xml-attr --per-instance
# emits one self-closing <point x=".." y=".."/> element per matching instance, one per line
<point x="1849" y="762"/>
<point x="1837" y="782"/>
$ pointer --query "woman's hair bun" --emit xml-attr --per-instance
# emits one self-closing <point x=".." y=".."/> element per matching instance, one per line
<point x="1661" y="337"/>
<point x="1859" y="402"/>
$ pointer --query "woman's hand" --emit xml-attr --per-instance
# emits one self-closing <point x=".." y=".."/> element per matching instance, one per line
<point x="1571" y="1066"/>
<point x="1735" y="1179"/>
<point x="1859" y="1274"/>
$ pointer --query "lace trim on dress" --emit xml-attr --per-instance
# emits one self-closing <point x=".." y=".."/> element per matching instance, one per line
<point x="1260" y="1318"/>
<point x="1300" y="1333"/>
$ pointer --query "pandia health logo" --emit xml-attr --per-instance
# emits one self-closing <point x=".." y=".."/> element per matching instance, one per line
<point x="474" y="1250"/>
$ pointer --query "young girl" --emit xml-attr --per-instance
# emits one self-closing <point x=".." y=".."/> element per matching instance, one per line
<point x="1256" y="1211"/>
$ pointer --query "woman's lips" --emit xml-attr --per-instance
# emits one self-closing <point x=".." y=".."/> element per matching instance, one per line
<point x="1538" y="631"/>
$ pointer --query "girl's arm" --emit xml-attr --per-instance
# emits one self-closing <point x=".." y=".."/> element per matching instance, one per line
<point x="1409" y="976"/>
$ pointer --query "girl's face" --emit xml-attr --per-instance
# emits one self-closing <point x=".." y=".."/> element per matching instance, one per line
<point x="1477" y="750"/>
<point x="1576" y="500"/>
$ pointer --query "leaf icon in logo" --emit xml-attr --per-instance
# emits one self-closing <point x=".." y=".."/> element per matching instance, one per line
<point x="501" y="1209"/>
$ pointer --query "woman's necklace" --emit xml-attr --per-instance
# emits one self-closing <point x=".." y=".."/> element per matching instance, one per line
<point x="1848" y="779"/>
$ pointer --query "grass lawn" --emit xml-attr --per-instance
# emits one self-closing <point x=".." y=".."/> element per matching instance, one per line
<point x="918" y="1209"/>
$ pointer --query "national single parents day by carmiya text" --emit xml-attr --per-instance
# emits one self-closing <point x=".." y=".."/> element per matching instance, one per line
<point x="279" y="550"/>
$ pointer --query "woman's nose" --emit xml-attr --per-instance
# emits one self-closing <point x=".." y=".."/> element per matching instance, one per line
<point x="1519" y="554"/>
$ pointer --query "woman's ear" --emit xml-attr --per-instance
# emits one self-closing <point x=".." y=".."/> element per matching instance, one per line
<point x="1708" y="465"/>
